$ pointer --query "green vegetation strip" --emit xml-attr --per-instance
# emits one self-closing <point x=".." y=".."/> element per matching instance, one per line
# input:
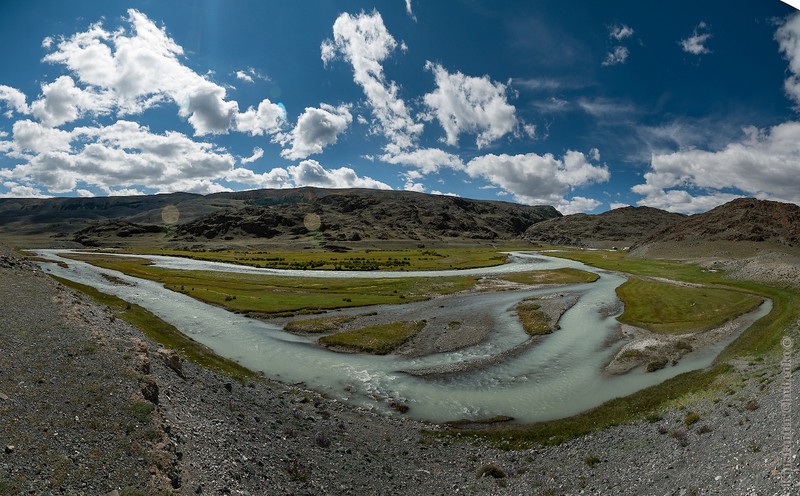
<point x="164" y="333"/>
<point x="410" y="259"/>
<point x="281" y="295"/>
<point x="379" y="339"/>
<point x="672" y="309"/>
<point x="534" y="321"/>
<point x="566" y="275"/>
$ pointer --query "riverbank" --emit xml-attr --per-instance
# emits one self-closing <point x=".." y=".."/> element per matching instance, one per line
<point x="71" y="378"/>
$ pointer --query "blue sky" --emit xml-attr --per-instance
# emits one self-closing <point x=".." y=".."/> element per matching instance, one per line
<point x="680" y="105"/>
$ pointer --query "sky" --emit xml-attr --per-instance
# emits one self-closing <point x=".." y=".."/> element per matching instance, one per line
<point x="586" y="106"/>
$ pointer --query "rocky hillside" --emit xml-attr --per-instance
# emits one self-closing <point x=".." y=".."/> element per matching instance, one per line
<point x="361" y="215"/>
<point x="620" y="227"/>
<point x="324" y="216"/>
<point x="744" y="224"/>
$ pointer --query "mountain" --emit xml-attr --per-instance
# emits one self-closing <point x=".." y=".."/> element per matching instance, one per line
<point x="287" y="215"/>
<point x="356" y="215"/>
<point x="737" y="228"/>
<point x="620" y="227"/>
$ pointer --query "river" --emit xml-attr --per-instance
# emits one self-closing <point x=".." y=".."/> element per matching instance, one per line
<point x="558" y="377"/>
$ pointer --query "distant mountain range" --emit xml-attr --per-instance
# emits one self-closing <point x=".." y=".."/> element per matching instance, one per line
<point x="315" y="217"/>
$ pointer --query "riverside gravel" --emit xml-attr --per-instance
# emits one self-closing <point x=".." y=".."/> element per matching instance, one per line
<point x="73" y="420"/>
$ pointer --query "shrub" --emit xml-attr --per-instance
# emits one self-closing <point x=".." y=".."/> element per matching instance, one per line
<point x="490" y="470"/>
<point x="691" y="418"/>
<point x="752" y="405"/>
<point x="592" y="460"/>
<point x="657" y="364"/>
<point x="703" y="429"/>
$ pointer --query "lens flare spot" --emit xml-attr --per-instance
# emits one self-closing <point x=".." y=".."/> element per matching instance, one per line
<point x="312" y="222"/>
<point x="170" y="214"/>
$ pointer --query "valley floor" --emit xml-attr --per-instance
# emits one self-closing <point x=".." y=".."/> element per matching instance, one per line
<point x="74" y="420"/>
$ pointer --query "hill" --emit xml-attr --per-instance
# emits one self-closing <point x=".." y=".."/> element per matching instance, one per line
<point x="738" y="228"/>
<point x="620" y="227"/>
<point x="299" y="215"/>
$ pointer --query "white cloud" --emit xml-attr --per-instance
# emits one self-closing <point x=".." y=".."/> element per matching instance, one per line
<point x="577" y="204"/>
<point x="63" y="102"/>
<point x="131" y="70"/>
<point x="604" y="107"/>
<point x="763" y="164"/>
<point x="84" y="193"/>
<point x="620" y="32"/>
<point x="695" y="44"/>
<point x="267" y="119"/>
<point x="364" y="42"/>
<point x="243" y="76"/>
<point x="316" y="128"/>
<point x="426" y="160"/>
<point x="788" y="38"/>
<point x="122" y="155"/>
<point x="540" y="179"/>
<point x="618" y="56"/>
<point x="616" y="205"/>
<point x="311" y="173"/>
<point x="470" y="104"/>
<point x="14" y="99"/>
<point x="409" y="11"/>
<point x="22" y="191"/>
<point x="258" y="152"/>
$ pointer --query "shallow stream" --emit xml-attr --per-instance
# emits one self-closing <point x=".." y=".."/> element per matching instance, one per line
<point x="558" y="377"/>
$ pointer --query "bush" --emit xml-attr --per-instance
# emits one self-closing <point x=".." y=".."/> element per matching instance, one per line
<point x="691" y="418"/>
<point x="657" y="364"/>
<point x="490" y="470"/>
<point x="592" y="460"/>
<point x="752" y="405"/>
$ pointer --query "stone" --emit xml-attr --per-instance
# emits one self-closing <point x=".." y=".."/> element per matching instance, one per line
<point x="171" y="359"/>
<point x="149" y="389"/>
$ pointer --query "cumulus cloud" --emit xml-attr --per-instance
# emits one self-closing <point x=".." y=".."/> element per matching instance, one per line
<point x="122" y="155"/>
<point x="470" y="104"/>
<point x="696" y="43"/>
<point x="316" y="128"/>
<point x="63" y="102"/>
<point x="763" y="164"/>
<point x="14" y="99"/>
<point x="16" y="190"/>
<point x="268" y="118"/>
<point x="426" y="160"/>
<point x="788" y="38"/>
<point x="243" y="76"/>
<point x="620" y="31"/>
<point x="541" y="179"/>
<point x="617" y="56"/>
<point x="364" y="42"/>
<point x="312" y="173"/>
<point x="131" y="70"/>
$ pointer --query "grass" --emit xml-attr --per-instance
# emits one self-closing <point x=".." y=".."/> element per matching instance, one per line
<point x="379" y="339"/>
<point x="164" y="333"/>
<point x="409" y="259"/>
<point x="280" y="295"/>
<point x="534" y="321"/>
<point x="322" y="324"/>
<point x="666" y="308"/>
<point x="566" y="275"/>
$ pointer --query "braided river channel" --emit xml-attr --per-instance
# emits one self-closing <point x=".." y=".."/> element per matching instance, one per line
<point x="559" y="376"/>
